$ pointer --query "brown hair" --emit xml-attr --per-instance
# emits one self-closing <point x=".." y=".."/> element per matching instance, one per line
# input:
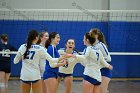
<point x="91" y="38"/>
<point x="40" y="36"/>
<point x="101" y="37"/>
<point x="51" y="36"/>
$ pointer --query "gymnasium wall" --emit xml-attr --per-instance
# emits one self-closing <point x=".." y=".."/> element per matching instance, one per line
<point x="121" y="37"/>
<point x="56" y="4"/>
<point x="67" y="4"/>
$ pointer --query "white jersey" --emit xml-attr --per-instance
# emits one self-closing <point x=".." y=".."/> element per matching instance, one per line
<point x="42" y="64"/>
<point x="104" y="51"/>
<point x="68" y="69"/>
<point x="30" y="66"/>
<point x="93" y="58"/>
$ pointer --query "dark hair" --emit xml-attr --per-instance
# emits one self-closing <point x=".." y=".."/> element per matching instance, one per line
<point x="31" y="36"/>
<point x="70" y="39"/>
<point x="51" y="36"/>
<point x="40" y="36"/>
<point x="101" y="38"/>
<point x="94" y="31"/>
<point x="91" y="39"/>
<point x="4" y="37"/>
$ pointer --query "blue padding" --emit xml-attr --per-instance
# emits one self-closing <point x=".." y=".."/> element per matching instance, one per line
<point x="120" y="36"/>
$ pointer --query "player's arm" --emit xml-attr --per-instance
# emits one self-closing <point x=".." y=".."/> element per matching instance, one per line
<point x="52" y="61"/>
<point x="104" y="63"/>
<point x="86" y="55"/>
<point x="105" y="52"/>
<point x="61" y="51"/>
<point x="19" y="54"/>
<point x="61" y="63"/>
<point x="82" y="62"/>
<point x="82" y="58"/>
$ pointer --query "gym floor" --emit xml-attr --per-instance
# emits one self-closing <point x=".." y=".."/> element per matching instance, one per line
<point x="115" y="86"/>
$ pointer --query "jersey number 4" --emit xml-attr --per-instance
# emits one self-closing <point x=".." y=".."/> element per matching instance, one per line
<point x="30" y="54"/>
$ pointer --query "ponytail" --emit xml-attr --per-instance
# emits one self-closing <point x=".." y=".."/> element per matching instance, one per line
<point x="31" y="36"/>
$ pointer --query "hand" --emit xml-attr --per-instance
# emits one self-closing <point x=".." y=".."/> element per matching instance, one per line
<point x="110" y="67"/>
<point x="64" y="62"/>
<point x="65" y="56"/>
<point x="68" y="55"/>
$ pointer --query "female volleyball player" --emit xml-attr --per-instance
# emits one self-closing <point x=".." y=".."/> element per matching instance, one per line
<point x="66" y="71"/>
<point x="51" y="72"/>
<point x="5" y="67"/>
<point x="30" y="54"/>
<point x="93" y="57"/>
<point x="42" y="41"/>
<point x="105" y="72"/>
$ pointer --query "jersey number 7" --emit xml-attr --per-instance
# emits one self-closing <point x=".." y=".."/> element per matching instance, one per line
<point x="97" y="54"/>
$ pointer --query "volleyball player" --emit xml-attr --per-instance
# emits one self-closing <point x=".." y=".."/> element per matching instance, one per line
<point x="5" y="65"/>
<point x="42" y="41"/>
<point x="30" y="54"/>
<point x="93" y="57"/>
<point x="105" y="72"/>
<point x="66" y="71"/>
<point x="51" y="72"/>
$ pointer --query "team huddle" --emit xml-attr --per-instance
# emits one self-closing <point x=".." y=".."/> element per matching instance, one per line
<point x="43" y="66"/>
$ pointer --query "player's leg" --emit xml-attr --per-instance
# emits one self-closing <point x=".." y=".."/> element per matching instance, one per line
<point x="7" y="76"/>
<point x="68" y="84"/>
<point x="59" y="79"/>
<point x="87" y="87"/>
<point x="4" y="76"/>
<point x="25" y="87"/>
<point x="51" y="84"/>
<point x="37" y="86"/>
<point x="106" y="77"/>
<point x="97" y="89"/>
<point x="2" y="82"/>
<point x="44" y="88"/>
<point x="104" y="84"/>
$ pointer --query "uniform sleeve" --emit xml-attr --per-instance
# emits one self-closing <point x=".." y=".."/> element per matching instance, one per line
<point x="86" y="55"/>
<point x="103" y="62"/>
<point x="82" y="62"/>
<point x="61" y="52"/>
<point x="19" y="54"/>
<point x="105" y="52"/>
<point x="76" y="60"/>
<point x="48" y="55"/>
